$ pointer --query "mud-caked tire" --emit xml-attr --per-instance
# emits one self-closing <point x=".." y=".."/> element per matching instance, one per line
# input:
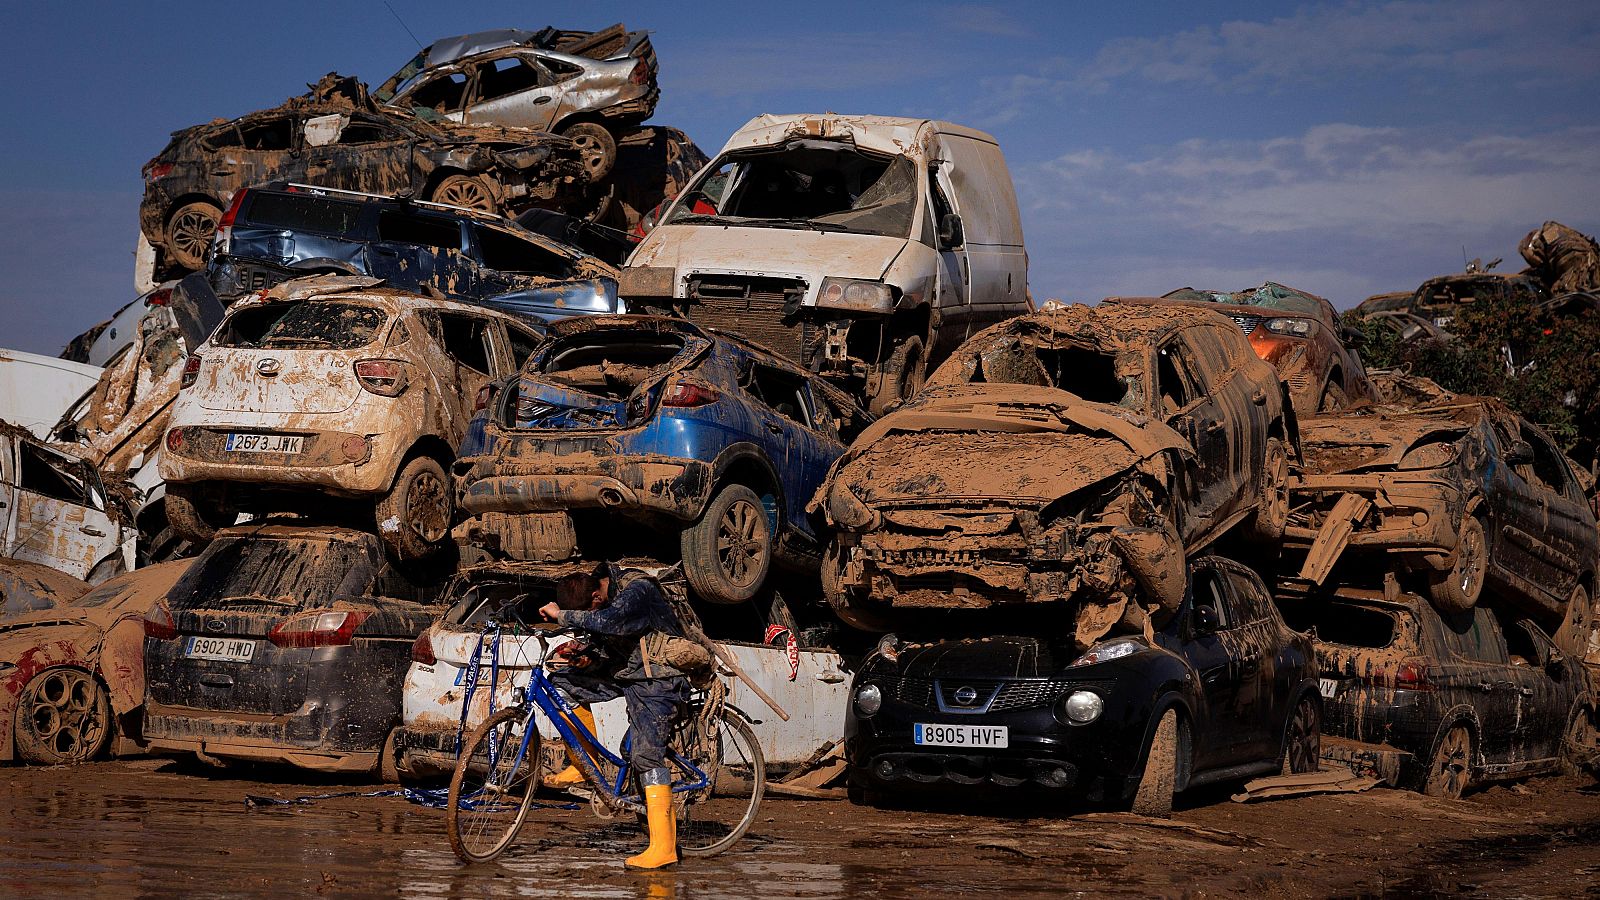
<point x="1448" y="769"/>
<point x="1580" y="746"/>
<point x="414" y="517"/>
<point x="902" y="375"/>
<point x="468" y="191"/>
<point x="1456" y="589"/>
<point x="388" y="768"/>
<point x="596" y="145"/>
<point x="728" y="551"/>
<point x="1333" y="398"/>
<point x="195" y="514"/>
<point x="63" y="717"/>
<point x="1266" y="525"/>
<point x="189" y="233"/>
<point x="1159" y="780"/>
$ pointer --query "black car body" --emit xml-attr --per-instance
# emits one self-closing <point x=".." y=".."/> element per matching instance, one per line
<point x="1396" y="672"/>
<point x="283" y="644"/>
<point x="281" y="231"/>
<point x="1226" y="663"/>
<point x="336" y="137"/>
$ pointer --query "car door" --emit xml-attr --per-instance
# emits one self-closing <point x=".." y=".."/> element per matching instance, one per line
<point x="1567" y="539"/>
<point x="1188" y="407"/>
<point x="1476" y="673"/>
<point x="468" y="345"/>
<point x="60" y="516"/>
<point x="1268" y="676"/>
<point x="416" y="249"/>
<point x="1223" y="736"/>
<point x="952" y="297"/>
<point x="1542" y="707"/>
<point x="356" y="153"/>
<point x="252" y="151"/>
<point x="521" y="274"/>
<point x="514" y="90"/>
<point x="796" y="450"/>
<point x="442" y="96"/>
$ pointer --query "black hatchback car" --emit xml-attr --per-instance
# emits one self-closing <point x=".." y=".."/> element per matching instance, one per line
<point x="1225" y="691"/>
<point x="283" y="644"/>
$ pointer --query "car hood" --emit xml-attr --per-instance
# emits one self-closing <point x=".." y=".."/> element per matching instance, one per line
<point x="812" y="255"/>
<point x="1373" y="439"/>
<point x="989" y="657"/>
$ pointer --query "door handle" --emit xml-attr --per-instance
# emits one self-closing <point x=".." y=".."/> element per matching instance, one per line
<point x="221" y="172"/>
<point x="539" y="100"/>
<point x="830" y="677"/>
<point x="1485" y="686"/>
<point x="91" y="531"/>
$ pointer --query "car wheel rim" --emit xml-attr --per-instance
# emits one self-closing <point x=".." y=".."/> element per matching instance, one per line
<point x="1469" y="562"/>
<point x="1279" y="473"/>
<point x="466" y="192"/>
<point x="62" y="714"/>
<point x="589" y="149"/>
<point x="1452" y="762"/>
<point x="741" y="539"/>
<point x="191" y="232"/>
<point x="1303" y="748"/>
<point x="428" y="509"/>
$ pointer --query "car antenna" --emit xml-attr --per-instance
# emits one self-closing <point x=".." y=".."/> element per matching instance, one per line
<point x="403" y="25"/>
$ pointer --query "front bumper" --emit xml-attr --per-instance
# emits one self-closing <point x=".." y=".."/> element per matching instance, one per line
<point x="1412" y="516"/>
<point x="679" y="488"/>
<point x="325" y="460"/>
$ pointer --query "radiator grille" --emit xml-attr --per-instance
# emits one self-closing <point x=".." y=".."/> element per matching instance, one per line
<point x="1011" y="694"/>
<point x="754" y="309"/>
<point x="1246" y="324"/>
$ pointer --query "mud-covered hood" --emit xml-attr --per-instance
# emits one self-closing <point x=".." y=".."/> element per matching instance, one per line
<point x="813" y="255"/>
<point x="1375" y="440"/>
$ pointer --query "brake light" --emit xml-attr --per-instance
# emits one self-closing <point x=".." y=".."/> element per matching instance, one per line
<point x="224" y="240"/>
<point x="422" y="650"/>
<point x="175" y="440"/>
<point x="191" y="370"/>
<point x="1408" y="675"/>
<point x="162" y="297"/>
<point x="640" y="73"/>
<point x="484" y="398"/>
<point x="154" y="171"/>
<point x="158" y="623"/>
<point x="687" y="393"/>
<point x="384" y="377"/>
<point x="318" y="629"/>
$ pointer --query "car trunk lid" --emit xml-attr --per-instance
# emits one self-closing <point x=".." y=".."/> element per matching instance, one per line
<point x="285" y="357"/>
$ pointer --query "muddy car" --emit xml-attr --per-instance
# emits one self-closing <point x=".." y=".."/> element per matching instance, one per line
<point x="1075" y="456"/>
<point x="1462" y="496"/>
<point x="280" y="232"/>
<point x="56" y="510"/>
<point x="1300" y="334"/>
<point x="1222" y="691"/>
<point x="27" y="587"/>
<point x="692" y="434"/>
<point x="335" y="137"/>
<point x="584" y="85"/>
<point x="332" y="388"/>
<point x="284" y="644"/>
<point x="1463" y="699"/>
<point x="1439" y="299"/>
<point x="72" y="672"/>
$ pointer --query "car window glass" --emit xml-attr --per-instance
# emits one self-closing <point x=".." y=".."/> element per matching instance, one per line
<point x="271" y="134"/>
<point x="522" y="344"/>
<point x="559" y="71"/>
<point x="1348" y="624"/>
<point x="1521" y="648"/>
<point x="1246" y="600"/>
<point x="1475" y="636"/>
<point x="466" y="339"/>
<point x="53" y="475"/>
<point x="783" y="391"/>
<point x="507" y="252"/>
<point x="302" y="324"/>
<point x="226" y="136"/>
<point x="300" y="212"/>
<point x="508" y="76"/>
<point x="1547" y="466"/>
<point x="444" y="93"/>
<point x="1170" y="380"/>
<point x="426" y="231"/>
<point x="359" y="132"/>
<point x="1208" y="591"/>
<point x="309" y="571"/>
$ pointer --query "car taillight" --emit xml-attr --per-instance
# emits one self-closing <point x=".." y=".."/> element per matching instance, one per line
<point x="484" y="398"/>
<point x="640" y="73"/>
<point x="154" y="171"/>
<point x="384" y="377"/>
<point x="158" y="623"/>
<point x="318" y="629"/>
<point x="191" y="370"/>
<point x="175" y="440"/>
<point x="1408" y="675"/>
<point x="687" y="393"/>
<point x="422" y="650"/>
<point x="162" y="297"/>
<point x="224" y="238"/>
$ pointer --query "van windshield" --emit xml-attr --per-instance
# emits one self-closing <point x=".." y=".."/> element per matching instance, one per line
<point x="820" y="185"/>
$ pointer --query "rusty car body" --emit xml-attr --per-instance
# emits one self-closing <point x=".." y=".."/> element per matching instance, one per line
<point x="1461" y="698"/>
<point x="1459" y="493"/>
<point x="1077" y="456"/>
<point x="336" y="137"/>
<point x="1439" y="299"/>
<point x="584" y="85"/>
<point x="1299" y="333"/>
<point x="284" y="643"/>
<point x="333" y="386"/>
<point x="72" y="672"/>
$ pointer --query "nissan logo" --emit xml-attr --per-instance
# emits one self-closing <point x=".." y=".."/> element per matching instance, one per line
<point x="268" y="366"/>
<point x="215" y="625"/>
<point x="966" y="696"/>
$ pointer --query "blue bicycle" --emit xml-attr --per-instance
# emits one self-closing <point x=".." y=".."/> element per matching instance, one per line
<point x="719" y="774"/>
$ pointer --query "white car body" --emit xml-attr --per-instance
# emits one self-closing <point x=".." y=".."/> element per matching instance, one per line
<point x="55" y="511"/>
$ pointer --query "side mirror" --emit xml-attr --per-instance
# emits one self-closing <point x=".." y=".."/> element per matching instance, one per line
<point x="950" y="232"/>
<point x="1520" y="454"/>
<point x="1205" y="620"/>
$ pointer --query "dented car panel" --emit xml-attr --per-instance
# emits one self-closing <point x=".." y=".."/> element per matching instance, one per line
<point x="1100" y="447"/>
<point x="55" y="510"/>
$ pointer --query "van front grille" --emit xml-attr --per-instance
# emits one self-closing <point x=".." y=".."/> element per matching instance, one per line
<point x="755" y="309"/>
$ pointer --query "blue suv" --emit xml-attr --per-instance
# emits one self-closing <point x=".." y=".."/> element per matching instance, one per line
<point x="624" y="427"/>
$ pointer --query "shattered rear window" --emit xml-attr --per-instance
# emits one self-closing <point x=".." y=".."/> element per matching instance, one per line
<point x="302" y="324"/>
<point x="303" y="573"/>
<point x="1346" y="624"/>
<point x="1332" y="456"/>
<point x="302" y="213"/>
<point x="608" y="363"/>
<point x="513" y="597"/>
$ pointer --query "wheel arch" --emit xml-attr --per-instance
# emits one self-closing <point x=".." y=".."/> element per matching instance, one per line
<point x="745" y="464"/>
<point x="183" y="200"/>
<point x="430" y="445"/>
<point x="1170" y="698"/>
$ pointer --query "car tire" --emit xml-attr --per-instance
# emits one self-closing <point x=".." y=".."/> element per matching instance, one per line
<point x="727" y="553"/>
<point x="192" y="515"/>
<point x="596" y="145"/>
<point x="1456" y="589"/>
<point x="63" y="717"/>
<point x="1159" y="780"/>
<point x="1266" y="524"/>
<point x="469" y="191"/>
<point x="1302" y="738"/>
<point x="902" y="375"/>
<point x="414" y="517"/>
<point x="388" y="768"/>
<point x="1449" y="765"/>
<point x="1333" y="398"/>
<point x="189" y="232"/>
<point x="1580" y="746"/>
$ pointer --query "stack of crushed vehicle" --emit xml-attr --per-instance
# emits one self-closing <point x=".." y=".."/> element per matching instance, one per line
<point x="1114" y="551"/>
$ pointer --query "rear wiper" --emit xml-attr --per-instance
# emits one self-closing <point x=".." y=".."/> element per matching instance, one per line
<point x="257" y="599"/>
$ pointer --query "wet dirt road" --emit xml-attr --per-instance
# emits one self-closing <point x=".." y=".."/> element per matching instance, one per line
<point x="151" y="828"/>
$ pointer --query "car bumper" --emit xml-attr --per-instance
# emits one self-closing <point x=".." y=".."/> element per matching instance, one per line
<point x="1409" y="517"/>
<point x="339" y="461"/>
<point x="678" y="488"/>
<point x="427" y="751"/>
<point x="309" y="738"/>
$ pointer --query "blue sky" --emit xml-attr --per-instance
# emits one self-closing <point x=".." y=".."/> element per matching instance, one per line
<point x="1344" y="148"/>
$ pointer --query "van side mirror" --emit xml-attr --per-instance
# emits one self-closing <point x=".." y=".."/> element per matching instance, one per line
<point x="1520" y="454"/>
<point x="950" y="232"/>
<point x="1205" y="620"/>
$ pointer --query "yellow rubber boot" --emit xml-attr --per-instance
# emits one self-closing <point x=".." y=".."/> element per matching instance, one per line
<point x="571" y="775"/>
<point x="663" y="849"/>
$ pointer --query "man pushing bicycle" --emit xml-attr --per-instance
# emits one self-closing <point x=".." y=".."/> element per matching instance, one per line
<point x="630" y="628"/>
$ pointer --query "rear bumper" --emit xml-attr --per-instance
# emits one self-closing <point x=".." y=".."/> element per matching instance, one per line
<point x="309" y="738"/>
<point x="425" y="751"/>
<point x="324" y="461"/>
<point x="678" y="488"/>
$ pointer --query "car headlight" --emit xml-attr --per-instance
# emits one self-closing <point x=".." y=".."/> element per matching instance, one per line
<point x="1292" y="326"/>
<point x="846" y="510"/>
<point x="862" y="296"/>
<point x="1083" y="707"/>
<point x="869" y="699"/>
<point x="1105" y="651"/>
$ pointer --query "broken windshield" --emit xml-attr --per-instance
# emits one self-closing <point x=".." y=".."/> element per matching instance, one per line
<point x="821" y="185"/>
<point x="1116" y="379"/>
<point x="302" y="324"/>
<point x="1268" y="296"/>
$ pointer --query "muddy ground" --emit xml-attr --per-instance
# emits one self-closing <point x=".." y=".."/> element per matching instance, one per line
<point x="150" y="827"/>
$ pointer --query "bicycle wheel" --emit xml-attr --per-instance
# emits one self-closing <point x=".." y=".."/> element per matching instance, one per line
<point x="713" y="819"/>
<point x="491" y="791"/>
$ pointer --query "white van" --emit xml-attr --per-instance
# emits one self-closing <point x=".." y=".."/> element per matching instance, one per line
<point x="867" y="247"/>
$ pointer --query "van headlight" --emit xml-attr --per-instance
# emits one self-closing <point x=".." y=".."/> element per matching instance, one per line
<point x="869" y="699"/>
<point x="861" y="296"/>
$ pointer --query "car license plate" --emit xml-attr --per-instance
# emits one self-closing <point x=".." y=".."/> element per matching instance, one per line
<point x="1328" y="686"/>
<point x="984" y="736"/>
<point x="223" y="649"/>
<point x="265" y="443"/>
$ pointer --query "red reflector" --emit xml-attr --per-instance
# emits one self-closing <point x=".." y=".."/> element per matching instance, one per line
<point x="233" y="210"/>
<point x="175" y="440"/>
<point x="191" y="370"/>
<point x="687" y="393"/>
<point x="422" y="650"/>
<point x="162" y="297"/>
<point x="384" y="377"/>
<point x="158" y="623"/>
<point x="318" y="628"/>
<point x="155" y="170"/>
